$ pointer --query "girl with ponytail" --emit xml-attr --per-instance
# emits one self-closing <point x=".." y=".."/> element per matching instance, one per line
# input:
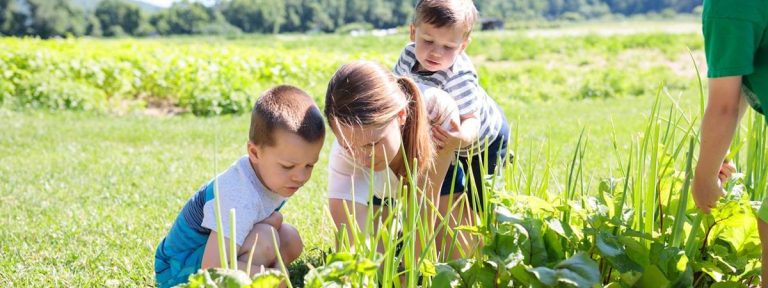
<point x="373" y="113"/>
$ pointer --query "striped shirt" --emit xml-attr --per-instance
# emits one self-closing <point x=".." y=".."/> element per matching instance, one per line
<point x="461" y="82"/>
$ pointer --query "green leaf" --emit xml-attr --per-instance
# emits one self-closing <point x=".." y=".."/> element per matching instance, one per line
<point x="609" y="247"/>
<point x="269" y="278"/>
<point x="546" y="276"/>
<point x="503" y="215"/>
<point x="636" y="251"/>
<point x="341" y="268"/>
<point x="533" y="247"/>
<point x="577" y="271"/>
<point x="481" y="273"/>
<point x="728" y="284"/>
<point x="555" y="225"/>
<point x="427" y="268"/>
<point x="712" y="270"/>
<point x="446" y="276"/>
<point x="461" y="265"/>
<point x="522" y="277"/>
<point x="504" y="249"/>
<point x="739" y="231"/>
<point x="652" y="277"/>
<point x="553" y="243"/>
<point x="217" y="277"/>
<point x="673" y="263"/>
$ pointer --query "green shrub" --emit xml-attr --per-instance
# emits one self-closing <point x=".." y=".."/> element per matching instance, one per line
<point x="42" y="91"/>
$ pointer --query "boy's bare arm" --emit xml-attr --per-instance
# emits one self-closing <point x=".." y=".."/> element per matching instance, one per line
<point x="469" y="130"/>
<point x="724" y="110"/>
<point x="275" y="220"/>
<point x="460" y="135"/>
<point x="212" y="259"/>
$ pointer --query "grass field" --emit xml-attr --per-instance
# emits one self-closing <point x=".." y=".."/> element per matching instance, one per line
<point x="86" y="196"/>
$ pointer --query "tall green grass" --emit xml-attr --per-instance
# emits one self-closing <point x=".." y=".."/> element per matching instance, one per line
<point x="637" y="227"/>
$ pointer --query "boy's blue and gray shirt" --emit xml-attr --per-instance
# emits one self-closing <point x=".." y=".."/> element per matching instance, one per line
<point x="239" y="188"/>
<point x="461" y="82"/>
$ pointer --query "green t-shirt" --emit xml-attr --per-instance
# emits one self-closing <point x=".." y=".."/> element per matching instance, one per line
<point x="736" y="43"/>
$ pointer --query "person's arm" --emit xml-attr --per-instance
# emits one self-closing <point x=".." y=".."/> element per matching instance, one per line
<point x="466" y="131"/>
<point x="212" y="259"/>
<point x="348" y="192"/>
<point x="244" y="227"/>
<point x="725" y="107"/>
<point x="469" y="131"/>
<point x="436" y="175"/>
<point x="275" y="220"/>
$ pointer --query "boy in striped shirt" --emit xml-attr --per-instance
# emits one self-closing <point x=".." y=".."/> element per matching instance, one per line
<point x="439" y="33"/>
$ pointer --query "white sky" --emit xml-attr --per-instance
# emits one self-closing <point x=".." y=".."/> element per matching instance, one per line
<point x="161" y="3"/>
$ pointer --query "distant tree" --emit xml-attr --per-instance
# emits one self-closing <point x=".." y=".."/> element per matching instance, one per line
<point x="356" y="11"/>
<point x="17" y="21"/>
<point x="6" y="15"/>
<point x="93" y="28"/>
<point x="50" y="18"/>
<point x="295" y="12"/>
<point x="264" y="16"/>
<point x="379" y="14"/>
<point x="269" y="16"/>
<point x="402" y="12"/>
<point x="183" y="18"/>
<point x="111" y="13"/>
<point x="328" y="15"/>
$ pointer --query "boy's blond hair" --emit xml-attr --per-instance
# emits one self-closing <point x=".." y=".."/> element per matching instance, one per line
<point x="460" y="14"/>
<point x="285" y="107"/>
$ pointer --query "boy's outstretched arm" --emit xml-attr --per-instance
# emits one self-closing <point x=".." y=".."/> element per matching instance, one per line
<point x="470" y="130"/>
<point x="461" y="134"/>
<point x="275" y="220"/>
<point x="721" y="118"/>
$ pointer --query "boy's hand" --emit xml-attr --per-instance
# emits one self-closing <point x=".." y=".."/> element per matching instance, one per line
<point x="706" y="193"/>
<point x="440" y="108"/>
<point x="726" y="170"/>
<point x="274" y="220"/>
<point x="447" y="139"/>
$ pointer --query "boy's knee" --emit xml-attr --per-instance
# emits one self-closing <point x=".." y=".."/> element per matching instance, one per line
<point x="290" y="242"/>
<point x="260" y="241"/>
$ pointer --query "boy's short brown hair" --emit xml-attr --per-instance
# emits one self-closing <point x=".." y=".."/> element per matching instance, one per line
<point x="285" y="107"/>
<point x="440" y="13"/>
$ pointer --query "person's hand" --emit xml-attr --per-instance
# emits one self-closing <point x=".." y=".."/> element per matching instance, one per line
<point x="441" y="108"/>
<point x="726" y="171"/>
<point x="447" y="139"/>
<point x="706" y="192"/>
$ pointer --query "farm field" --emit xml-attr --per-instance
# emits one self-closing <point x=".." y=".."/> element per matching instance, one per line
<point x="103" y="141"/>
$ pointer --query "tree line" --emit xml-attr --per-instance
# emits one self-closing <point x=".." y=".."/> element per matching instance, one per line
<point x="52" y="18"/>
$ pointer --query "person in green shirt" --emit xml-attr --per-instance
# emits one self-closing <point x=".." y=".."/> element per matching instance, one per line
<point x="736" y="47"/>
